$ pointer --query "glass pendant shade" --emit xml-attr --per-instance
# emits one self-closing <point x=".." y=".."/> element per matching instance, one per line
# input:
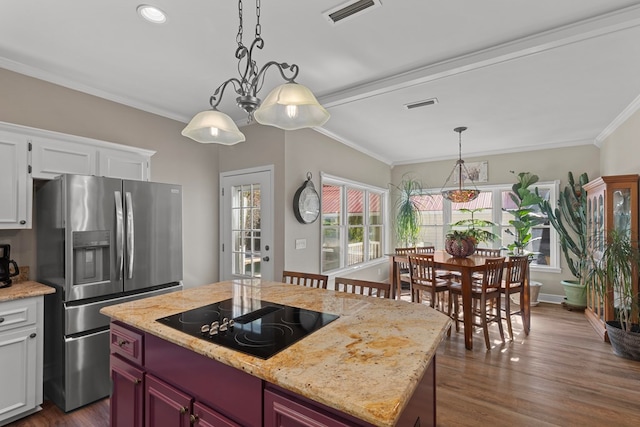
<point x="291" y="106"/>
<point x="463" y="195"/>
<point x="213" y="127"/>
<point x="460" y="194"/>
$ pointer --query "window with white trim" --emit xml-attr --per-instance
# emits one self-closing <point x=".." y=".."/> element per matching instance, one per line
<point x="353" y="222"/>
<point x="438" y="213"/>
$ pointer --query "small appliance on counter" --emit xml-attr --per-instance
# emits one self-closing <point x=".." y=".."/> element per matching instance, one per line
<point x="5" y="266"/>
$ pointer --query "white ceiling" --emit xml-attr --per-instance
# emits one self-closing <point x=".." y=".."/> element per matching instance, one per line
<point x="520" y="74"/>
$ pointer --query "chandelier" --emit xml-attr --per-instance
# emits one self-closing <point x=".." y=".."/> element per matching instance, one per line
<point x="460" y="194"/>
<point x="289" y="106"/>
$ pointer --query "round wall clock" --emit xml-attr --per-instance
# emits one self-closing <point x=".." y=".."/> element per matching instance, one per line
<point x="306" y="202"/>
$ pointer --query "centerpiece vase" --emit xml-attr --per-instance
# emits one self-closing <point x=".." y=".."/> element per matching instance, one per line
<point x="460" y="248"/>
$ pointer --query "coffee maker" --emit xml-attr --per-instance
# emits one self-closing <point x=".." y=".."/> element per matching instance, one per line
<point x="5" y="263"/>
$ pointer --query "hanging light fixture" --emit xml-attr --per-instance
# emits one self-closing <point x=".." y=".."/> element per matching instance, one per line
<point x="460" y="195"/>
<point x="289" y="106"/>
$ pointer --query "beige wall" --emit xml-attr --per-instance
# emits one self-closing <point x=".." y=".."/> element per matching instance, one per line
<point x="620" y="152"/>
<point x="31" y="102"/>
<point x="310" y="151"/>
<point x="549" y="165"/>
<point x="35" y="103"/>
<point x="293" y="154"/>
<point x="264" y="146"/>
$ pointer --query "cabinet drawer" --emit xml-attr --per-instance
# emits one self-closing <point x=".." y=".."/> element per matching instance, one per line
<point x="17" y="313"/>
<point x="127" y="343"/>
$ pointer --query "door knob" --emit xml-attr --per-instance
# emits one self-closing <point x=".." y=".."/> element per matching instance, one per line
<point x="265" y="259"/>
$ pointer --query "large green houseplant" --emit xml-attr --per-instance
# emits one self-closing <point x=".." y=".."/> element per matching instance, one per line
<point x="569" y="219"/>
<point x="474" y="227"/>
<point x="525" y="213"/>
<point x="407" y="207"/>
<point x="612" y="274"/>
<point x="465" y="234"/>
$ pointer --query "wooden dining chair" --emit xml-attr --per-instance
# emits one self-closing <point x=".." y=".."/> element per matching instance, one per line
<point x="424" y="281"/>
<point x="363" y="287"/>
<point x="309" y="280"/>
<point x="514" y="283"/>
<point x="484" y="294"/>
<point x="488" y="252"/>
<point x="403" y="267"/>
<point x="425" y="249"/>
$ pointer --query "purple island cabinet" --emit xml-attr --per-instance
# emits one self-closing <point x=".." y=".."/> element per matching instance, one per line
<point x="157" y="383"/>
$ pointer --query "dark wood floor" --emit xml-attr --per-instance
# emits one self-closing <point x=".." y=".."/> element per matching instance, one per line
<point x="560" y="375"/>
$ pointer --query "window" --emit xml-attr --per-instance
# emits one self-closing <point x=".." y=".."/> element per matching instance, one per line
<point x="353" y="223"/>
<point x="438" y="213"/>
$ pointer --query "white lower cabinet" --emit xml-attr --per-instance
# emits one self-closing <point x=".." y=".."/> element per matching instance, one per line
<point x="21" y="346"/>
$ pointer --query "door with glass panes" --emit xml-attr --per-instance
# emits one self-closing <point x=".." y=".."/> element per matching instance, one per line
<point x="246" y="231"/>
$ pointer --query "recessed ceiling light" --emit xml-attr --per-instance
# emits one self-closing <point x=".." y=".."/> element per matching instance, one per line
<point x="152" y="14"/>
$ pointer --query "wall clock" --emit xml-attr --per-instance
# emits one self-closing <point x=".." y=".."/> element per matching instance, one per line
<point x="306" y="202"/>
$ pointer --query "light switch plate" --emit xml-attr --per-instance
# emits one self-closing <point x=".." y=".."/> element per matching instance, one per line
<point x="301" y="243"/>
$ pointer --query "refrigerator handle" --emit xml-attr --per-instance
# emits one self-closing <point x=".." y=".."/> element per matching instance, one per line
<point x="119" y="234"/>
<point x="130" y="234"/>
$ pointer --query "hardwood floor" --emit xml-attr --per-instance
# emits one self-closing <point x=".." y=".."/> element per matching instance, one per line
<point x="560" y="375"/>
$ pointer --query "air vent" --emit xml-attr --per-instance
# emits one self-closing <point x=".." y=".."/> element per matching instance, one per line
<point x="350" y="10"/>
<point x="422" y="103"/>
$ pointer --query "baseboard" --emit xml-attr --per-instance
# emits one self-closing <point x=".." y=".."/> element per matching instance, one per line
<point x="551" y="298"/>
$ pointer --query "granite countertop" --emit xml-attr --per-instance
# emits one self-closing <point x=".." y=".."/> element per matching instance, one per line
<point x="25" y="289"/>
<point x="367" y="363"/>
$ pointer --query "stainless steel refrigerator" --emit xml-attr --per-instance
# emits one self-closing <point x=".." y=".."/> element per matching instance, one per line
<point x="100" y="241"/>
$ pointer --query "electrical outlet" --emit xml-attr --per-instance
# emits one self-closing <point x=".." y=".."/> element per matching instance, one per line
<point x="301" y="243"/>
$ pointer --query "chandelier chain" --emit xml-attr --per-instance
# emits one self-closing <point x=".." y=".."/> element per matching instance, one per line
<point x="258" y="26"/>
<point x="240" y="29"/>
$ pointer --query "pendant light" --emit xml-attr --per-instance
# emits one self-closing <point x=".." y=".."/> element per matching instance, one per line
<point x="289" y="106"/>
<point x="460" y="195"/>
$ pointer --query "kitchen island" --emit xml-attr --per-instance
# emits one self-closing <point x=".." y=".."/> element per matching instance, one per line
<point x="374" y="365"/>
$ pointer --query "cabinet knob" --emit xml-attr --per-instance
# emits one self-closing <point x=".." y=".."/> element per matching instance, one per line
<point x="33" y="335"/>
<point x="23" y="222"/>
<point x="183" y="410"/>
<point x="193" y="419"/>
<point x="1" y="319"/>
<point x="123" y="343"/>
<point x="137" y="381"/>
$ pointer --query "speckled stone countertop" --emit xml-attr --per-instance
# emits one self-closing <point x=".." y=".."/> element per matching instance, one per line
<point x="25" y="289"/>
<point x="367" y="363"/>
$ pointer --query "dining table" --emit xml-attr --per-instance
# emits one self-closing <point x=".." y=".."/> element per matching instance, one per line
<point x="465" y="267"/>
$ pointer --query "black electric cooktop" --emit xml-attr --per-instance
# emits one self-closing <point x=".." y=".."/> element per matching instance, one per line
<point x="255" y="327"/>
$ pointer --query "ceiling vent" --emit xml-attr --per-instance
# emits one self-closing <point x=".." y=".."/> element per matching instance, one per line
<point x="350" y="10"/>
<point x="422" y="103"/>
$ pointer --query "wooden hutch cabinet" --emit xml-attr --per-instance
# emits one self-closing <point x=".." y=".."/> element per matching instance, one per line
<point x="612" y="204"/>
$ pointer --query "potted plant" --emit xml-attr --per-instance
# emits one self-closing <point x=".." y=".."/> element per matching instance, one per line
<point x="460" y="243"/>
<point x="475" y="227"/>
<point x="612" y="275"/>
<point x="569" y="219"/>
<point x="525" y="215"/>
<point x="407" y="224"/>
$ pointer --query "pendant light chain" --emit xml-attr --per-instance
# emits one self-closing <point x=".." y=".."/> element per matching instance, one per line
<point x="258" y="26"/>
<point x="296" y="109"/>
<point x="460" y="161"/>
<point x="240" y="29"/>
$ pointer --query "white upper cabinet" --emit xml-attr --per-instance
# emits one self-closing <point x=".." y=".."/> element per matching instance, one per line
<point x="28" y="153"/>
<point x="16" y="185"/>
<point x="51" y="157"/>
<point x="124" y="164"/>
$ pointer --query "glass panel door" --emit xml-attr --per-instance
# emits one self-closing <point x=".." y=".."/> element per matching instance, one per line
<point x="246" y="230"/>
